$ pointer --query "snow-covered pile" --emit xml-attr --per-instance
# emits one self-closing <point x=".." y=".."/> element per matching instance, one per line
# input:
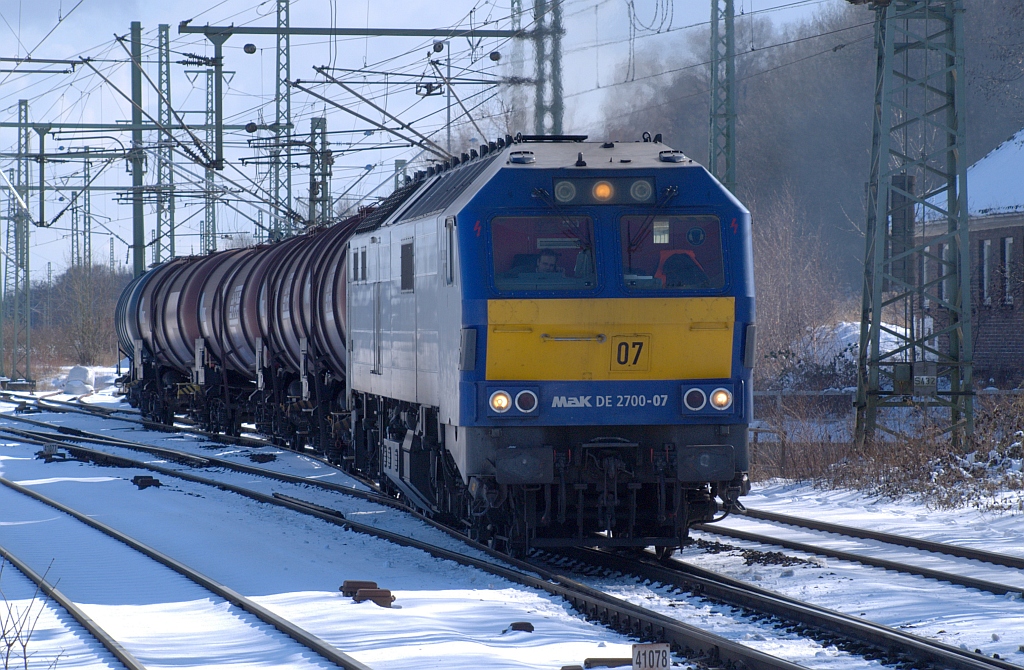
<point x="825" y="343"/>
<point x="826" y="357"/>
<point x="80" y="380"/>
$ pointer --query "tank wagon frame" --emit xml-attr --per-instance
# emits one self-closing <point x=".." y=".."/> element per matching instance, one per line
<point x="547" y="342"/>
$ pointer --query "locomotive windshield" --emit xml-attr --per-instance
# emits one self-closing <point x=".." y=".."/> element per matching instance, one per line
<point x="543" y="253"/>
<point x="665" y="252"/>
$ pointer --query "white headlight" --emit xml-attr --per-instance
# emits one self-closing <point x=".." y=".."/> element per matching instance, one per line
<point x="721" y="399"/>
<point x="641" y="190"/>
<point x="500" y="401"/>
<point x="565" y="191"/>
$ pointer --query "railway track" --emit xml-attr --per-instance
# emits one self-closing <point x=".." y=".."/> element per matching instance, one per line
<point x="949" y="551"/>
<point x="828" y="626"/>
<point x="84" y="620"/>
<point x="694" y="644"/>
<point x="853" y="634"/>
<point x="889" y="538"/>
<point x="63" y="407"/>
<point x="221" y="592"/>
<point x="923" y="545"/>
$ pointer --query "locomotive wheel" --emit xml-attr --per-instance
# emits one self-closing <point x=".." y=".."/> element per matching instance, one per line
<point x="517" y="543"/>
<point x="664" y="553"/>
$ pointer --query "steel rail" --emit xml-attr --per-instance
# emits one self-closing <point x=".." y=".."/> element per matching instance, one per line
<point x="201" y="461"/>
<point x="734" y="592"/>
<point x="64" y="407"/>
<point x="958" y="580"/>
<point x="76" y="434"/>
<point x="809" y="615"/>
<point x="911" y="542"/>
<point x="69" y="433"/>
<point x="102" y="636"/>
<point x="618" y="614"/>
<point x="968" y="582"/>
<point x="300" y="635"/>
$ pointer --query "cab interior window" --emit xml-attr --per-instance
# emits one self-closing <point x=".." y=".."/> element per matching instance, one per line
<point x="543" y="253"/>
<point x="663" y="252"/>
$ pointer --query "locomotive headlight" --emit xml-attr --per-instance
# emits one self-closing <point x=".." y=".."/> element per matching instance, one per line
<point x="500" y="401"/>
<point x="695" y="399"/>
<point x="603" y="191"/>
<point x="641" y="190"/>
<point x="721" y="399"/>
<point x="565" y="191"/>
<point x="526" y="401"/>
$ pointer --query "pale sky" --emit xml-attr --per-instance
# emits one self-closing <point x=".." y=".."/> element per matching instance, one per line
<point x="595" y="47"/>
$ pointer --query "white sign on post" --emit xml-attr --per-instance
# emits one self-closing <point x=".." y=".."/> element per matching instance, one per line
<point x="652" y="656"/>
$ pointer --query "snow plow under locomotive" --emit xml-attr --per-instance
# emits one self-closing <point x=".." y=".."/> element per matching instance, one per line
<point x="548" y="342"/>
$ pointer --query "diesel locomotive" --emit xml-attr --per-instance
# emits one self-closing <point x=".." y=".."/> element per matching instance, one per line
<point x="544" y="342"/>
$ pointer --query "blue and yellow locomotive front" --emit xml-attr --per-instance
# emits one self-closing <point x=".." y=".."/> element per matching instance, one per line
<point x="607" y="344"/>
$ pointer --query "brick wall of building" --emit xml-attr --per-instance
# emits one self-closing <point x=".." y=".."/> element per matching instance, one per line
<point x="998" y="307"/>
<point x="997" y="298"/>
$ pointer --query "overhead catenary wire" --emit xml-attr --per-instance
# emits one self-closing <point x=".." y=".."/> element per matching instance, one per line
<point x="256" y="182"/>
<point x="428" y="147"/>
<point x="383" y="111"/>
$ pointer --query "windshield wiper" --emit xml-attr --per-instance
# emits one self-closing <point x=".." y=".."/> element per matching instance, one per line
<point x="573" y="227"/>
<point x="645" y="227"/>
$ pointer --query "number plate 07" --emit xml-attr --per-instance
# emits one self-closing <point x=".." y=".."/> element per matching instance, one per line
<point x="652" y="657"/>
<point x="631" y="352"/>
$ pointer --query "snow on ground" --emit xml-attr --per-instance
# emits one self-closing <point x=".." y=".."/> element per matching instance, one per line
<point x="77" y="380"/>
<point x="450" y="616"/>
<point x="51" y="634"/>
<point x="953" y="614"/>
<point x="156" y="613"/>
<point x="292" y="564"/>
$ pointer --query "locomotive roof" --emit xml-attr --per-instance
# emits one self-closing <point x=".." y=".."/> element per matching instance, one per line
<point x="438" y="192"/>
<point x="596" y="155"/>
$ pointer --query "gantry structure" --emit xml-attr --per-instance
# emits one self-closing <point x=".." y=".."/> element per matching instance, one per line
<point x="915" y="342"/>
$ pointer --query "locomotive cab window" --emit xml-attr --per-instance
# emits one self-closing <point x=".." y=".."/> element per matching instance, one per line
<point x="671" y="253"/>
<point x="543" y="253"/>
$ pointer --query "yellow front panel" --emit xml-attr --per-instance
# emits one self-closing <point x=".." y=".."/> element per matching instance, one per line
<point x="618" y="338"/>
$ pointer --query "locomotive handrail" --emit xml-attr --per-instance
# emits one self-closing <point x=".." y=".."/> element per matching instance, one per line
<point x="574" y="338"/>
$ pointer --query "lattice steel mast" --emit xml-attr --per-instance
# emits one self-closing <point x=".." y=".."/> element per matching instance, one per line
<point x="86" y="207"/>
<point x="163" y="247"/>
<point x="76" y="234"/>
<point x="208" y="227"/>
<point x="138" y="156"/>
<point x="547" y="53"/>
<point x="5" y="303"/>
<point x="17" y="289"/>
<point x="917" y="278"/>
<point x="320" y="161"/>
<point x="281" y="165"/>
<point x="722" y="151"/>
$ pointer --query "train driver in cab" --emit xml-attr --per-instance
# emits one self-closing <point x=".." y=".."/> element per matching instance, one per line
<point x="547" y="261"/>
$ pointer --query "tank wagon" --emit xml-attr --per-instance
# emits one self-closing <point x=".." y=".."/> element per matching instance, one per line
<point x="547" y="342"/>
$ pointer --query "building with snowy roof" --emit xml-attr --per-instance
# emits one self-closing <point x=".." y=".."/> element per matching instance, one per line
<point x="995" y="197"/>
